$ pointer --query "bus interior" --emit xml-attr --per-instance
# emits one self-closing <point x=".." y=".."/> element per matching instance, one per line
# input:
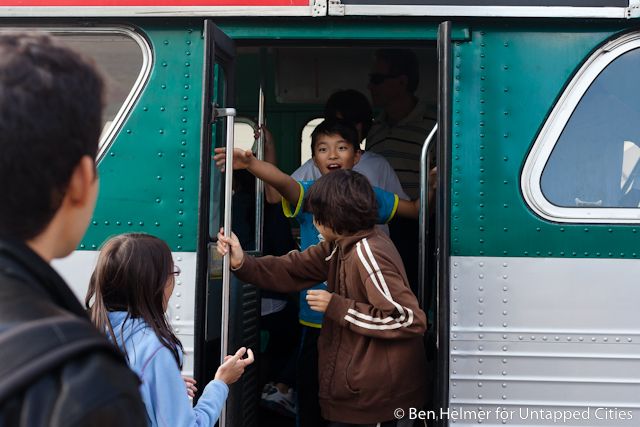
<point x="296" y="79"/>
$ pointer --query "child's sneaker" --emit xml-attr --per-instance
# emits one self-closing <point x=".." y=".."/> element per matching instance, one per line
<point x="282" y="403"/>
<point x="267" y="390"/>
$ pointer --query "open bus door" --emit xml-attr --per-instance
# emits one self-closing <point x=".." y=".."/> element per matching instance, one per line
<point x="227" y="312"/>
<point x="442" y="218"/>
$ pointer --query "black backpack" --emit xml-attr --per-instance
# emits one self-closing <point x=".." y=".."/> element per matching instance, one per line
<point x="31" y="349"/>
<point x="40" y="359"/>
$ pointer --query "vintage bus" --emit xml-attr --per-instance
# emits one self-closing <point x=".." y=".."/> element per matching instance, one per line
<point x="529" y="264"/>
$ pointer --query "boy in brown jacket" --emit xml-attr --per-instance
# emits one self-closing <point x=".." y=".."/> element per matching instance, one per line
<point x="371" y="355"/>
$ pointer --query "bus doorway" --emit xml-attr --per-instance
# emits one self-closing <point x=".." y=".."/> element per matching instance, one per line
<point x="287" y="82"/>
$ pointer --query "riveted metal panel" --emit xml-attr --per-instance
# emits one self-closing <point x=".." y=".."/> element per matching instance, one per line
<point x="506" y="82"/>
<point x="149" y="174"/>
<point x="541" y="335"/>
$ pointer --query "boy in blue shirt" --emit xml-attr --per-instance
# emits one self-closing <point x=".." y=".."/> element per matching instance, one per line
<point x="334" y="146"/>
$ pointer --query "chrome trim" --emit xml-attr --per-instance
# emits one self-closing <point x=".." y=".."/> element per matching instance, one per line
<point x="553" y="127"/>
<point x="489" y="11"/>
<point x="107" y="138"/>
<point x="423" y="222"/>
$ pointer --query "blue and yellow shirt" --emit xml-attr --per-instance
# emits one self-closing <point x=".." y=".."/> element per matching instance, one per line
<point x="309" y="236"/>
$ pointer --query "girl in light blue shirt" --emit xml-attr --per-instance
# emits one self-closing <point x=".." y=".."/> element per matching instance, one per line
<point x="128" y="295"/>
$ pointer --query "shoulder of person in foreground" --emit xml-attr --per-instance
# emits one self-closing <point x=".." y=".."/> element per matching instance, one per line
<point x="108" y="393"/>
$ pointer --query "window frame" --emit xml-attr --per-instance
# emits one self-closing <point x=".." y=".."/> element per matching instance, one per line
<point x="107" y="137"/>
<point x="552" y="130"/>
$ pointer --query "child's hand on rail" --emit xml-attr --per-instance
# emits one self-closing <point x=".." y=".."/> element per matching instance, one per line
<point x="231" y="244"/>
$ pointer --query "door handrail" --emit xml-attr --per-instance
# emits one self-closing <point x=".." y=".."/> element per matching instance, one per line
<point x="230" y="114"/>
<point x="423" y="216"/>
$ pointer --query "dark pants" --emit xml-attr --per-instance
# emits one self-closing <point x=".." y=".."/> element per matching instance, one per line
<point x="282" y="347"/>
<point x="307" y="384"/>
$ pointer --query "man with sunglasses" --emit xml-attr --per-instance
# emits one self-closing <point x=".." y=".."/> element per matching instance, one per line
<point x="398" y="134"/>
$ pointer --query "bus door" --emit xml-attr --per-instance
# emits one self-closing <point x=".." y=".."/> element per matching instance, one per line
<point x="227" y="311"/>
<point x="442" y="218"/>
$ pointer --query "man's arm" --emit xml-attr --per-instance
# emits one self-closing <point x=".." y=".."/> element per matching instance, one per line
<point x="408" y="208"/>
<point x="411" y="208"/>
<point x="283" y="183"/>
<point x="271" y="193"/>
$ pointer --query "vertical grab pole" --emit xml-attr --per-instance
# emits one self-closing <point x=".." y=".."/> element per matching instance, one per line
<point x="424" y="212"/>
<point x="259" y="182"/>
<point x="229" y="113"/>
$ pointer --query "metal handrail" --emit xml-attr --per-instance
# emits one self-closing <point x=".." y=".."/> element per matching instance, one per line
<point x="229" y="113"/>
<point x="423" y="215"/>
<point x="260" y="183"/>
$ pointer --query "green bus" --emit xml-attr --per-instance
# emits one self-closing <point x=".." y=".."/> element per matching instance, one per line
<point x="529" y="256"/>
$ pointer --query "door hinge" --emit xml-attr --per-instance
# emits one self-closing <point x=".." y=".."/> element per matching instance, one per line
<point x="319" y="8"/>
<point x="633" y="11"/>
<point x="336" y="8"/>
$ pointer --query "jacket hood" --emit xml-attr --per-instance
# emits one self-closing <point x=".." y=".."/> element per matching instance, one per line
<point x="347" y="242"/>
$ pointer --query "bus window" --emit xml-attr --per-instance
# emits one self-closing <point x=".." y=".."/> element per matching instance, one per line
<point x="124" y="62"/>
<point x="243" y="134"/>
<point x="585" y="164"/>
<point x="305" y="143"/>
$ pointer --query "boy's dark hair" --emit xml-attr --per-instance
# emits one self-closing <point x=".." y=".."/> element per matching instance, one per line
<point x="352" y="106"/>
<point x="336" y="127"/>
<point x="343" y="201"/>
<point x="50" y="117"/>
<point x="402" y="62"/>
<point x="131" y="275"/>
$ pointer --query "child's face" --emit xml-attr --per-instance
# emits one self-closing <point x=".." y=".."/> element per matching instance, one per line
<point x="333" y="152"/>
<point x="168" y="287"/>
<point x="328" y="234"/>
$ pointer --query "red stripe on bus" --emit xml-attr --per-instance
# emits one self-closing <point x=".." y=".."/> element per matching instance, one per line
<point x="150" y="3"/>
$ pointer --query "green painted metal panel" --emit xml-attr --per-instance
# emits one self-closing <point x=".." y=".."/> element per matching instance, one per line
<point x="342" y="29"/>
<point x="149" y="176"/>
<point x="506" y="81"/>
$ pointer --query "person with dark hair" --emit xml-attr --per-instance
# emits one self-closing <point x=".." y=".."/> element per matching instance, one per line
<point x="50" y="121"/>
<point x="371" y="356"/>
<point x="334" y="146"/>
<point x="127" y="298"/>
<point x="398" y="135"/>
<point x="353" y="107"/>
<point x="399" y="132"/>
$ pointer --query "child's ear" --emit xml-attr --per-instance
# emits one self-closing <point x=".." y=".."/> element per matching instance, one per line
<point x="357" y="156"/>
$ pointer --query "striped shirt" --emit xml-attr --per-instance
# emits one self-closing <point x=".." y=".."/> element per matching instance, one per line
<point x="401" y="144"/>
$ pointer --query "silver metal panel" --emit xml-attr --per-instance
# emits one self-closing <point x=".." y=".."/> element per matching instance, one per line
<point x="539" y="335"/>
<point x="490" y="11"/>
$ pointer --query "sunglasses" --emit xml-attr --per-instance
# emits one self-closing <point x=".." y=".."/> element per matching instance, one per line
<point x="377" y="78"/>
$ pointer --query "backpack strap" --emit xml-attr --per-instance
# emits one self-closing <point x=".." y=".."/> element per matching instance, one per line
<point x="34" y="348"/>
